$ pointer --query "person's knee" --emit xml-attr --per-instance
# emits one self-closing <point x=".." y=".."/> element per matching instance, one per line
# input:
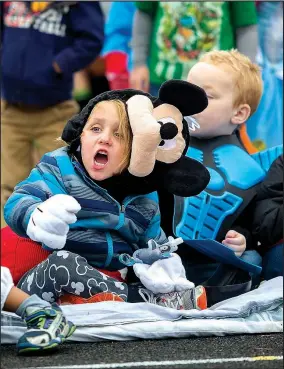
<point x="272" y="270"/>
<point x="252" y="257"/>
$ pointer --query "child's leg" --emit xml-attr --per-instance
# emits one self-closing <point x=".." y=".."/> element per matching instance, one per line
<point x="17" y="127"/>
<point x="46" y="325"/>
<point x="273" y="262"/>
<point x="15" y="298"/>
<point x="65" y="272"/>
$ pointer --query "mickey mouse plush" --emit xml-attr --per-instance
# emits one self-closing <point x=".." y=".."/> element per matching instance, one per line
<point x="160" y="138"/>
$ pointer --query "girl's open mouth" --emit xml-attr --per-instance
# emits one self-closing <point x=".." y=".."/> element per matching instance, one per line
<point x="101" y="159"/>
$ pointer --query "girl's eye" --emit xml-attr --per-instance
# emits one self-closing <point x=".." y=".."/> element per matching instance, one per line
<point x="95" y="129"/>
<point x="117" y="134"/>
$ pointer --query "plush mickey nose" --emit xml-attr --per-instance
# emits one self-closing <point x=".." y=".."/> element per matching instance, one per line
<point x="168" y="131"/>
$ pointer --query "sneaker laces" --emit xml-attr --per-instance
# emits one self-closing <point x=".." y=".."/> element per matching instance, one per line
<point x="147" y="296"/>
<point x="184" y="300"/>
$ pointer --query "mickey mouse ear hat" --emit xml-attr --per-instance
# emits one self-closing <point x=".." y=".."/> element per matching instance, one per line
<point x="187" y="97"/>
<point x="75" y="125"/>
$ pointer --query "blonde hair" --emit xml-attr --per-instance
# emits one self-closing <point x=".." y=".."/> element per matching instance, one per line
<point x="124" y="130"/>
<point x="247" y="75"/>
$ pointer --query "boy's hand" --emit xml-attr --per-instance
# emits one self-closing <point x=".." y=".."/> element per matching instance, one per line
<point x="236" y="242"/>
<point x="139" y="78"/>
<point x="57" y="68"/>
<point x="49" y="222"/>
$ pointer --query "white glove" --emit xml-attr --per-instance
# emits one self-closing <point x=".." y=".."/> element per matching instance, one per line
<point x="49" y="222"/>
<point x="164" y="275"/>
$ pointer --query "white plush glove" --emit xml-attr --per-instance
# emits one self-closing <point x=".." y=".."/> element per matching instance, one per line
<point x="49" y="222"/>
<point x="164" y="275"/>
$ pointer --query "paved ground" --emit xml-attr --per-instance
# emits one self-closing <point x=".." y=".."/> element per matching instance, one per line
<point x="245" y="351"/>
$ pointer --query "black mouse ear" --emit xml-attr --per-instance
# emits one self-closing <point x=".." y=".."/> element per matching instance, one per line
<point x="187" y="97"/>
<point x="186" y="177"/>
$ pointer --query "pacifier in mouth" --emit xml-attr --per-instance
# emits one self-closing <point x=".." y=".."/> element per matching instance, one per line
<point x="192" y="123"/>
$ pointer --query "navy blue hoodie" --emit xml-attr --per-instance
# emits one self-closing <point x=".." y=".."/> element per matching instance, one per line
<point x="70" y="34"/>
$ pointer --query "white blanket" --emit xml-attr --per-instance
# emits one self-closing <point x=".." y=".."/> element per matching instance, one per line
<point x="258" y="311"/>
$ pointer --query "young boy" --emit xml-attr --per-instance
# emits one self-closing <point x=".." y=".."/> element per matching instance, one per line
<point x="234" y="87"/>
<point x="47" y="326"/>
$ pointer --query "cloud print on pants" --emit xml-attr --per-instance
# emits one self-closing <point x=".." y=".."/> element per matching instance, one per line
<point x="48" y="296"/>
<point x="79" y="287"/>
<point x="41" y="270"/>
<point x="82" y="265"/>
<point x="60" y="276"/>
<point x="63" y="253"/>
<point x="98" y="287"/>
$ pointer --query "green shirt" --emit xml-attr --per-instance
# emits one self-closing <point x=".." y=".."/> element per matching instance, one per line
<point x="184" y="31"/>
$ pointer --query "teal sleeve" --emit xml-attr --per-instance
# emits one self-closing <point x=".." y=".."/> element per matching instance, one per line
<point x="28" y="194"/>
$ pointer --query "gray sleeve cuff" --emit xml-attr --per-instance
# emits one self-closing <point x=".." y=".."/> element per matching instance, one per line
<point x="141" y="35"/>
<point x="247" y="41"/>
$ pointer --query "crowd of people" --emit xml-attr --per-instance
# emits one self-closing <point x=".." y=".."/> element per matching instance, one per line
<point x="68" y="140"/>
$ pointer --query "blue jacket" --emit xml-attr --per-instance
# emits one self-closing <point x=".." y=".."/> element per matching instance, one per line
<point x="70" y="35"/>
<point x="104" y="228"/>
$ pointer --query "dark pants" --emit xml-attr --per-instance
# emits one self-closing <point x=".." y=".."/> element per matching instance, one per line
<point x="220" y="281"/>
<point x="273" y="262"/>
<point x="65" y="272"/>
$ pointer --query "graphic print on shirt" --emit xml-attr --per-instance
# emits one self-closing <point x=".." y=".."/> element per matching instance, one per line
<point x="187" y="30"/>
<point x="18" y="14"/>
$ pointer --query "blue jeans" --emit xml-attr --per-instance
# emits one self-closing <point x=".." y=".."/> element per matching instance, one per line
<point x="273" y="263"/>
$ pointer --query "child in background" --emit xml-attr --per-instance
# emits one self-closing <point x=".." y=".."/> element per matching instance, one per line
<point x="267" y="224"/>
<point x="117" y="50"/>
<point x="43" y="45"/>
<point x="170" y="37"/>
<point x="47" y="326"/>
<point x="233" y="86"/>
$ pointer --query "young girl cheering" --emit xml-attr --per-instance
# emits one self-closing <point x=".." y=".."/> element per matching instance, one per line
<point x="79" y="203"/>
